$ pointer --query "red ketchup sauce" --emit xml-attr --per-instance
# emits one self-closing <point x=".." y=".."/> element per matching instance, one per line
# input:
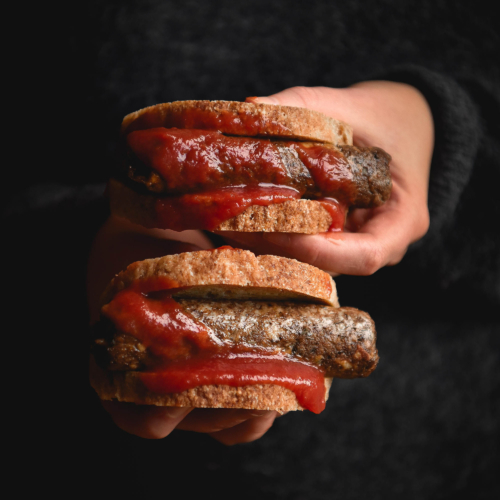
<point x="329" y="169"/>
<point x="209" y="209"/>
<point x="237" y="370"/>
<point x="210" y="178"/>
<point x="241" y="123"/>
<point x="337" y="211"/>
<point x="186" y="354"/>
<point x="199" y="160"/>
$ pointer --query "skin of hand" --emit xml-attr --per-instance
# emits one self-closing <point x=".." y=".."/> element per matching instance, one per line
<point x="396" y="118"/>
<point x="118" y="244"/>
<point x="389" y="115"/>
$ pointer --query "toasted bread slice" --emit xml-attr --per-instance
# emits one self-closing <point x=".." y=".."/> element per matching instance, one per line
<point x="294" y="216"/>
<point x="242" y="118"/>
<point x="231" y="273"/>
<point x="127" y="387"/>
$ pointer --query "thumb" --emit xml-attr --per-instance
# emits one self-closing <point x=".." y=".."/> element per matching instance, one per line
<point x="150" y="422"/>
<point x="301" y="97"/>
<point x="341" y="104"/>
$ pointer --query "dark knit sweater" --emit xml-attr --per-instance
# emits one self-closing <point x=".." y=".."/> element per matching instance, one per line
<point x="425" y="424"/>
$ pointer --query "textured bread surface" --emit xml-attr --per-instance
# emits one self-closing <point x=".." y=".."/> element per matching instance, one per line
<point x="242" y="118"/>
<point x="232" y="273"/>
<point x="126" y="387"/>
<point x="294" y="216"/>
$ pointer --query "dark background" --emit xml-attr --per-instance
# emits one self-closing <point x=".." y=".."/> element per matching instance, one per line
<point x="425" y="423"/>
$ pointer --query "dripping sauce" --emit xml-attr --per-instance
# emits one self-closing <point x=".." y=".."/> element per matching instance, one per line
<point x="208" y="178"/>
<point x="187" y="354"/>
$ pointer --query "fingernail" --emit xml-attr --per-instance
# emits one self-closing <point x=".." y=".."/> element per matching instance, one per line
<point x="176" y="412"/>
<point x="257" y="414"/>
<point x="261" y="100"/>
<point x="278" y="239"/>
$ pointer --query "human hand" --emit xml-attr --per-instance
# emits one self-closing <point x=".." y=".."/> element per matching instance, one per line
<point x="227" y="426"/>
<point x="396" y="118"/>
<point x="118" y="244"/>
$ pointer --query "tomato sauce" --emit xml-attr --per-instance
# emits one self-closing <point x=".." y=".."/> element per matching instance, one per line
<point x="330" y="171"/>
<point x="194" y="160"/>
<point x="337" y="211"/>
<point x="186" y="354"/>
<point x="306" y="381"/>
<point x="227" y="122"/>
<point x="208" y="210"/>
<point x="209" y="178"/>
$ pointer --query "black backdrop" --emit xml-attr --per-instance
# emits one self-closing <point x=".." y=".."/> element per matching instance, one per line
<point x="424" y="425"/>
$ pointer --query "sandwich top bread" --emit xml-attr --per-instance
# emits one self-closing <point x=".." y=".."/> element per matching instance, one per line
<point x="226" y="273"/>
<point x="241" y="118"/>
<point x="227" y="329"/>
<point x="222" y="165"/>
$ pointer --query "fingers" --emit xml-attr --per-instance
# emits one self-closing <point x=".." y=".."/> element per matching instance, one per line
<point x="210" y="420"/>
<point x="382" y="241"/>
<point x="302" y="97"/>
<point x="355" y="254"/>
<point x="226" y="425"/>
<point x="150" y="422"/>
<point x="382" y="237"/>
<point x="348" y="104"/>
<point x="374" y="238"/>
<point x="254" y="242"/>
<point x="341" y="104"/>
<point x="335" y="253"/>
<point x="378" y="111"/>
<point x="246" y="432"/>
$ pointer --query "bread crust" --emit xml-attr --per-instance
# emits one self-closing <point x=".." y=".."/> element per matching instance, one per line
<point x="242" y="118"/>
<point x="293" y="216"/>
<point x="127" y="387"/>
<point x="232" y="273"/>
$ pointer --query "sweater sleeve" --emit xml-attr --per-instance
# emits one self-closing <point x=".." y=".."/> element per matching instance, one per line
<point x="462" y="246"/>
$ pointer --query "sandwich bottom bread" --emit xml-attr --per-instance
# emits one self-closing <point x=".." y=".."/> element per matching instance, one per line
<point x="227" y="329"/>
